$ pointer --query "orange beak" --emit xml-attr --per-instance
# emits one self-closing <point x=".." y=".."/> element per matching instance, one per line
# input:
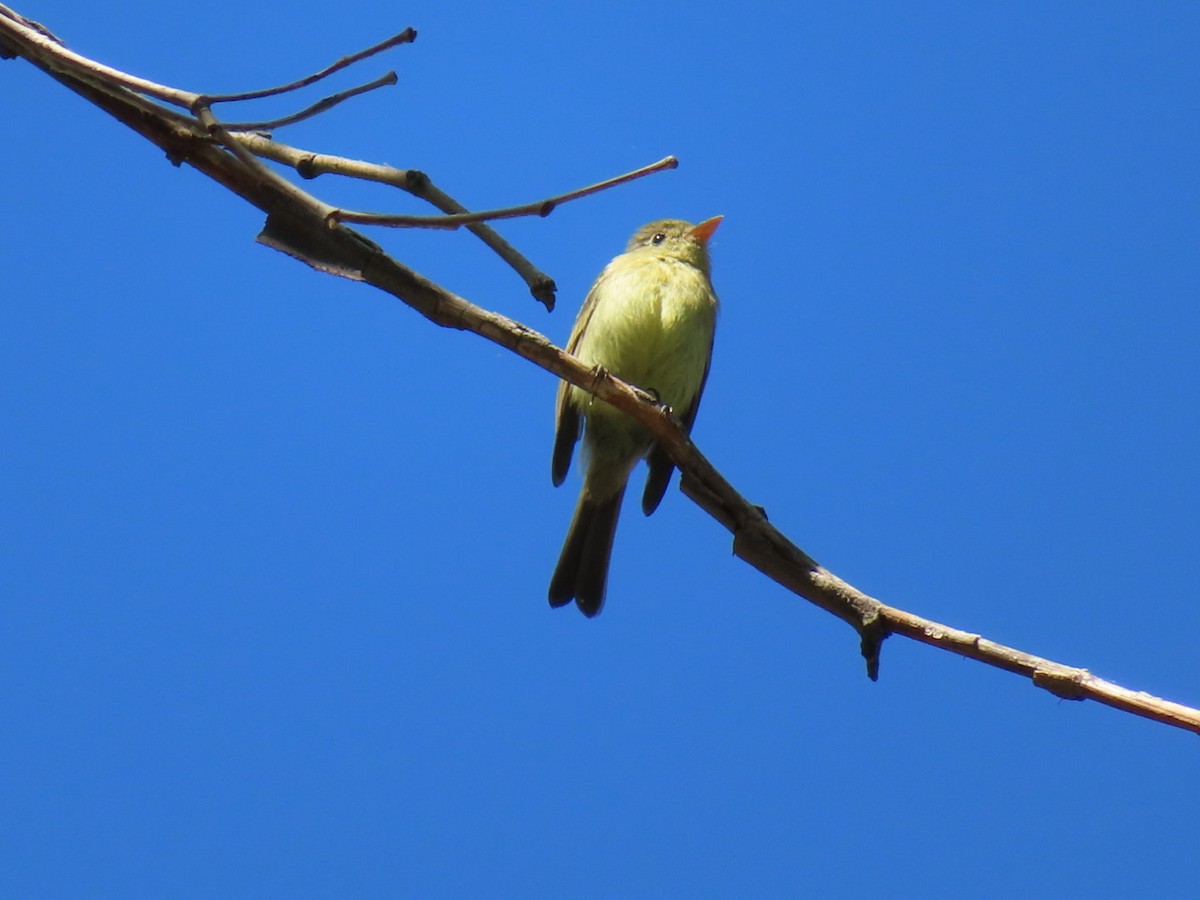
<point x="705" y="229"/>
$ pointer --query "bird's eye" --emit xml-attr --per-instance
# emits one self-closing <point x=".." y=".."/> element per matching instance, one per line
<point x="658" y="238"/>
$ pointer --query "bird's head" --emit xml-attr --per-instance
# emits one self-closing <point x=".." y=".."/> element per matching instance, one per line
<point x="676" y="239"/>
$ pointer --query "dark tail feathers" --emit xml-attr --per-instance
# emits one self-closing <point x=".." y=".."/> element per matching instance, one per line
<point x="582" y="571"/>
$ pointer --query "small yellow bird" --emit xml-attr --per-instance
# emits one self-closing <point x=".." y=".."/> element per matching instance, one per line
<point x="649" y="320"/>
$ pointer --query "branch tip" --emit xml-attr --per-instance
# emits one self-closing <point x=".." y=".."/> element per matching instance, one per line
<point x="407" y="36"/>
<point x="545" y="291"/>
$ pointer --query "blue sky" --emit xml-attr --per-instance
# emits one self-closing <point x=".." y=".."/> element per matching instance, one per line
<point x="275" y="550"/>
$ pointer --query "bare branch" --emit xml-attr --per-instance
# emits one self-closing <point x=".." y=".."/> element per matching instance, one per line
<point x="310" y="165"/>
<point x="385" y="80"/>
<point x="407" y="36"/>
<point x="539" y="208"/>
<point x="308" y="229"/>
<point x="121" y="84"/>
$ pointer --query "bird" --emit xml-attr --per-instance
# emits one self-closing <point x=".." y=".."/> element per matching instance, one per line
<point x="649" y="320"/>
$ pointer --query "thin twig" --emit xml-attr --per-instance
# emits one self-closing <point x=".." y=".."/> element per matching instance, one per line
<point x="540" y="208"/>
<point x="407" y="36"/>
<point x="310" y="165"/>
<point x="385" y="80"/>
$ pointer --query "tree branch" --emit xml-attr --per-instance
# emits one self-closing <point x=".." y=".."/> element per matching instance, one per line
<point x="538" y="208"/>
<point x="306" y="228"/>
<point x="385" y="80"/>
<point x="407" y="36"/>
<point x="309" y="164"/>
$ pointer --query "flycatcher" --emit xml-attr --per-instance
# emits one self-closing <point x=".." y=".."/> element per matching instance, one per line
<point x="649" y="320"/>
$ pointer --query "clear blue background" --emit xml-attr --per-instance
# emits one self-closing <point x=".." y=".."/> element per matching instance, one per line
<point x="275" y="549"/>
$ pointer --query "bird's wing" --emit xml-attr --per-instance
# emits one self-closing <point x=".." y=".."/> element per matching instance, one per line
<point x="657" y="461"/>
<point x="566" y="416"/>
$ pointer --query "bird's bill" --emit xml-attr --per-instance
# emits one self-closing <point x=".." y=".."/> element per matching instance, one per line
<point x="705" y="229"/>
